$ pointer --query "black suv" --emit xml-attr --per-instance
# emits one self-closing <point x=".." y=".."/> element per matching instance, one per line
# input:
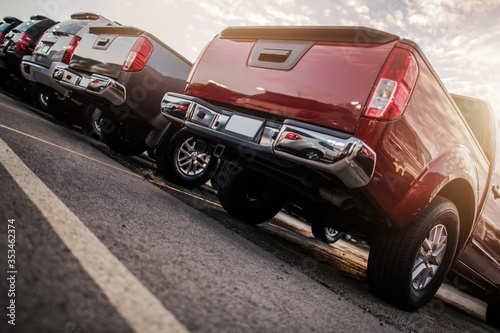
<point x="9" y="24"/>
<point x="19" y="42"/>
<point x="55" y="49"/>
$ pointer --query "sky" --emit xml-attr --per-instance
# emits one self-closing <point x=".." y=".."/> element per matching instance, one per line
<point x="461" y="38"/>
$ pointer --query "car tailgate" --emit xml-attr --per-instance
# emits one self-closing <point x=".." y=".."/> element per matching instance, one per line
<point x="104" y="50"/>
<point x="318" y="75"/>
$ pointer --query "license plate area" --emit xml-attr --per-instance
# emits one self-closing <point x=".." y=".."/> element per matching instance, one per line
<point x="244" y="126"/>
<point x="71" y="78"/>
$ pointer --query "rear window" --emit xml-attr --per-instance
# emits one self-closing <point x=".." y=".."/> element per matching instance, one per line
<point x="70" y="27"/>
<point x="473" y="114"/>
<point x="25" y="26"/>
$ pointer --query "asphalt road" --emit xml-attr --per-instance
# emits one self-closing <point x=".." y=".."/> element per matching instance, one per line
<point x="102" y="243"/>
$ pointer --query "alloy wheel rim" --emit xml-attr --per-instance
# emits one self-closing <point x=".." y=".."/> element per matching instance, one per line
<point x="330" y="232"/>
<point x="429" y="257"/>
<point x="191" y="162"/>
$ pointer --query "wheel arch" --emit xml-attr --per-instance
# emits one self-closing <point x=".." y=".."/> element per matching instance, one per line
<point x="461" y="194"/>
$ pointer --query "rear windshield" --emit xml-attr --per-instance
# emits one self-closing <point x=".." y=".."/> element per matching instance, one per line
<point x="70" y="27"/>
<point x="25" y="26"/>
<point x="473" y="114"/>
<point x="6" y="27"/>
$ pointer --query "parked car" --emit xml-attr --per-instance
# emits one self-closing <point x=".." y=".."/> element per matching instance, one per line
<point x="408" y="172"/>
<point x="19" y="42"/>
<point x="8" y="24"/>
<point x="55" y="49"/>
<point x="124" y="72"/>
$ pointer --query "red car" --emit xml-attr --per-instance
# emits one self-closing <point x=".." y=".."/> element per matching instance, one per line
<point x="354" y="125"/>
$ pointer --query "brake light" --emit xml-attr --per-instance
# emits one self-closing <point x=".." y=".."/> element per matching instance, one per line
<point x="23" y="45"/>
<point x="70" y="49"/>
<point x="2" y="37"/>
<point x="138" y="55"/>
<point x="394" y="86"/>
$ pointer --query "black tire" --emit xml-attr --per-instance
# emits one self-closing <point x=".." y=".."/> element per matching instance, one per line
<point x="326" y="234"/>
<point x="122" y="137"/>
<point x="181" y="163"/>
<point x="249" y="198"/>
<point x="493" y="315"/>
<point x="396" y="254"/>
<point x="90" y="119"/>
<point x="63" y="112"/>
<point x="40" y="100"/>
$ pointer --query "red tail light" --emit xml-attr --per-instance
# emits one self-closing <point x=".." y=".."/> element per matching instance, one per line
<point x="70" y="50"/>
<point x="138" y="55"/>
<point x="394" y="86"/>
<point x="2" y="37"/>
<point x="23" y="45"/>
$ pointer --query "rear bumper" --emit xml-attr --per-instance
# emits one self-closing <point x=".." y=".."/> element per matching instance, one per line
<point x="97" y="86"/>
<point x="336" y="153"/>
<point x="42" y="75"/>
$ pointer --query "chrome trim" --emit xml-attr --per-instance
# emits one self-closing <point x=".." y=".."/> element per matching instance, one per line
<point x="349" y="159"/>
<point x="108" y="89"/>
<point x="97" y="85"/>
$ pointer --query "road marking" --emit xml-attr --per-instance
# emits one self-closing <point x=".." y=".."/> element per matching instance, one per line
<point x="137" y="305"/>
<point x="109" y="165"/>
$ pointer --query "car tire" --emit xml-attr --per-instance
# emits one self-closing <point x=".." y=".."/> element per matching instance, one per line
<point x="40" y="100"/>
<point x="181" y="163"/>
<point x="493" y="315"/>
<point x="62" y="112"/>
<point x="248" y="197"/>
<point x="90" y="121"/>
<point x="398" y="272"/>
<point x="121" y="137"/>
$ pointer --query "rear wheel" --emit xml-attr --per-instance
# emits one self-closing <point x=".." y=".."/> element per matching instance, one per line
<point x="64" y="112"/>
<point x="407" y="266"/>
<point x="493" y="315"/>
<point x="326" y="234"/>
<point x="180" y="162"/>
<point x="90" y="120"/>
<point x="248" y="197"/>
<point x="40" y="99"/>
<point x="122" y="137"/>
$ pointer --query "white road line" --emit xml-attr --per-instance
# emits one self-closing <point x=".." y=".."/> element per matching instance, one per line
<point x="137" y="305"/>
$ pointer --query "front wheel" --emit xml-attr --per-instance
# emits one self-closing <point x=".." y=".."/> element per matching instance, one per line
<point x="181" y="163"/>
<point x="326" y="234"/>
<point x="248" y="197"/>
<point x="407" y="266"/>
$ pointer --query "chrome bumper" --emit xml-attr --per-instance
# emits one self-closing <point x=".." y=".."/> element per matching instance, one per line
<point x="40" y="74"/>
<point x="95" y="85"/>
<point x="346" y="157"/>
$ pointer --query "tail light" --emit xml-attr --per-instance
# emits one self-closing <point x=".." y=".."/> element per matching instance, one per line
<point x="138" y="55"/>
<point x="394" y="86"/>
<point x="70" y="50"/>
<point x="2" y="37"/>
<point x="23" y="45"/>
